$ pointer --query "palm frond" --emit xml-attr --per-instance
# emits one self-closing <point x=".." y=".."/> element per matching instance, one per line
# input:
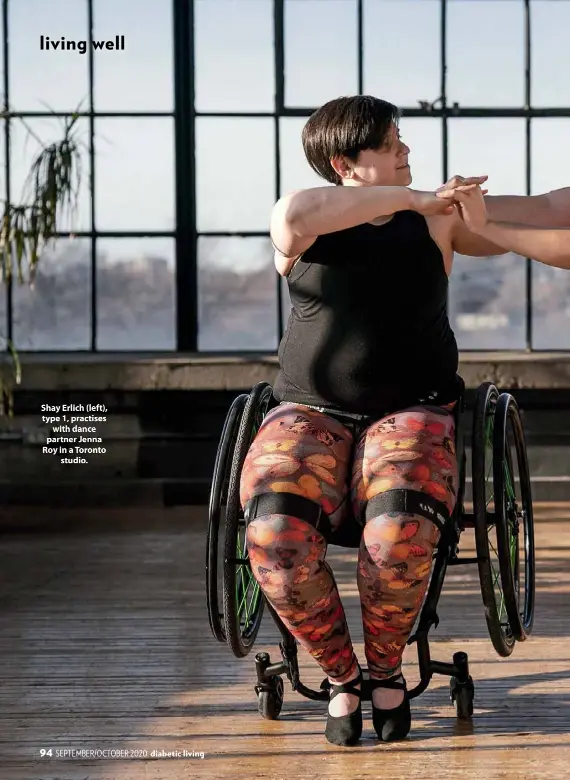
<point x="50" y="194"/>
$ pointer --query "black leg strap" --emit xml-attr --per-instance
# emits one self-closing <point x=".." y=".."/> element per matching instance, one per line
<point x="395" y="682"/>
<point x="288" y="504"/>
<point x="411" y="502"/>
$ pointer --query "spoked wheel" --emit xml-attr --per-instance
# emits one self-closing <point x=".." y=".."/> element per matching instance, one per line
<point x="243" y="600"/>
<point x="514" y="519"/>
<point x="485" y="501"/>
<point x="218" y="497"/>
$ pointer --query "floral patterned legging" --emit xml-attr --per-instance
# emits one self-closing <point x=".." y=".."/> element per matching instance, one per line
<point x="304" y="451"/>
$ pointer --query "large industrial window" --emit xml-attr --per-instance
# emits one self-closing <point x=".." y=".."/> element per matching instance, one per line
<point x="193" y="132"/>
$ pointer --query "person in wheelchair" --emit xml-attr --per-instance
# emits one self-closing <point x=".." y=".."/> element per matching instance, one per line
<point x="362" y="437"/>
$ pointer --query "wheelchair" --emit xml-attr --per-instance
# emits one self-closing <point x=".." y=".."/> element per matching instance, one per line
<point x="502" y="522"/>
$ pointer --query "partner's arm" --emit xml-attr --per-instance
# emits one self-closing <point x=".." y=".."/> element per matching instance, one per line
<point x="548" y="245"/>
<point x="463" y="240"/>
<point x="551" y="209"/>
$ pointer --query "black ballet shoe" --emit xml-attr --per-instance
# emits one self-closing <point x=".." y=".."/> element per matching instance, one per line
<point x="344" y="729"/>
<point x="394" y="724"/>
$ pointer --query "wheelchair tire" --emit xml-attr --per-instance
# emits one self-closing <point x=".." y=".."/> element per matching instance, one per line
<point x="462" y="696"/>
<point x="269" y="703"/>
<point x="241" y="629"/>
<point x="218" y="496"/>
<point x="514" y="516"/>
<point x="483" y="453"/>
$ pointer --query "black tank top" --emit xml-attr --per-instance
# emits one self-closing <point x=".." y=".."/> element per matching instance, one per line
<point x="368" y="330"/>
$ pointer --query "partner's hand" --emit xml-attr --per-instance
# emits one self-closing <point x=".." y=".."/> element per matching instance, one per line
<point x="459" y="181"/>
<point x="429" y="204"/>
<point x="470" y="204"/>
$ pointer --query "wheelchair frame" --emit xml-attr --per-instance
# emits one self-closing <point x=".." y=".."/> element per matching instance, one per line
<point x="489" y="406"/>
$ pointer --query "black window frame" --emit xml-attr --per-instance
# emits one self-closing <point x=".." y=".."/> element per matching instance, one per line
<point x="186" y="234"/>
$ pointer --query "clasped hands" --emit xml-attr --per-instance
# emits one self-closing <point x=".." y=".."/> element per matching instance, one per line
<point x="467" y="196"/>
<point x="458" y="194"/>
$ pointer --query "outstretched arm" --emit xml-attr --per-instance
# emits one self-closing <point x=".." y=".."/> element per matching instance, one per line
<point x="298" y="218"/>
<point x="551" y="209"/>
<point x="548" y="245"/>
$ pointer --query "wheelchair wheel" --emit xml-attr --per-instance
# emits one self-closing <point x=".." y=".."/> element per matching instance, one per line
<point x="485" y="502"/>
<point x="462" y="695"/>
<point x="269" y="703"/>
<point x="243" y="599"/>
<point x="218" y="496"/>
<point x="514" y="518"/>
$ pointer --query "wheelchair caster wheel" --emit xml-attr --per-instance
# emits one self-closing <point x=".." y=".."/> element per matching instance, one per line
<point x="462" y="695"/>
<point x="269" y="703"/>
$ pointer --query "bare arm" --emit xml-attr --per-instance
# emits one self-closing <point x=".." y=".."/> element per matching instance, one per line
<point x="468" y="243"/>
<point x="298" y="218"/>
<point x="520" y="209"/>
<point x="548" y="245"/>
<point x="324" y="210"/>
<point x="551" y="209"/>
<point x="533" y="211"/>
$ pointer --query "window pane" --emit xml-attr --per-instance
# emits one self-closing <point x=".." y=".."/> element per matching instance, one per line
<point x="296" y="173"/>
<point x="550" y="22"/>
<point x="235" y="173"/>
<point x="487" y="302"/>
<point x="27" y="142"/>
<point x="134" y="183"/>
<point x="2" y="49"/>
<point x="485" y="53"/>
<point x="136" y="306"/>
<point x="3" y="308"/>
<point x="550" y="286"/>
<point x="487" y="296"/>
<point x="55" y="314"/>
<point x="550" y="307"/>
<point x="424" y="137"/>
<point x="140" y="76"/>
<point x="237" y="294"/>
<point x="388" y="23"/>
<point x="234" y="55"/>
<point x="321" y="53"/>
<point x="495" y="147"/>
<point x="48" y="79"/>
<point x="549" y="168"/>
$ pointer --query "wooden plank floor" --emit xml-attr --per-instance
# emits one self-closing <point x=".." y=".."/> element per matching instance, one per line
<point x="105" y="645"/>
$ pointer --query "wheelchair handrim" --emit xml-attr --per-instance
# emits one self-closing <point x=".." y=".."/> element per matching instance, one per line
<point x="236" y="586"/>
<point x="511" y="512"/>
<point x="494" y="546"/>
<point x="487" y="552"/>
<point x="218" y="494"/>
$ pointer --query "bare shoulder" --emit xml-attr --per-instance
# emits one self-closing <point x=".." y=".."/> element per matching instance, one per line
<point x="441" y="230"/>
<point x="287" y="234"/>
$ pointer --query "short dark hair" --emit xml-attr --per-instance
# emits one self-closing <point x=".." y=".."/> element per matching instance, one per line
<point x="346" y="126"/>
